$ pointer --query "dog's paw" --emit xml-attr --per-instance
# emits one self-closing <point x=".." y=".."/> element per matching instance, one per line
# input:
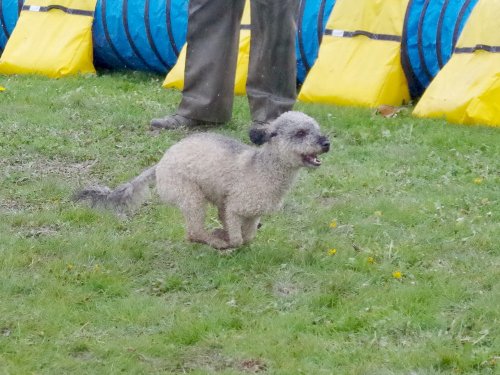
<point x="219" y="244"/>
<point x="221" y="234"/>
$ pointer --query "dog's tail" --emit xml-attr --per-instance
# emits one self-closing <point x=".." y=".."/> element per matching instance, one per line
<point x="125" y="197"/>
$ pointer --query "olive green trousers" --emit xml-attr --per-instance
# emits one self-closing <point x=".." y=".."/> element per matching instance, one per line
<point x="212" y="51"/>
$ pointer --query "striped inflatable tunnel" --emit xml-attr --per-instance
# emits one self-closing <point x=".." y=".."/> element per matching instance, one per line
<point x="467" y="89"/>
<point x="430" y="33"/>
<point x="139" y="34"/>
<point x="311" y="23"/>
<point x="9" y="13"/>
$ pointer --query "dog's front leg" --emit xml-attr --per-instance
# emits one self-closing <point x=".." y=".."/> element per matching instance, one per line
<point x="249" y="228"/>
<point x="233" y="228"/>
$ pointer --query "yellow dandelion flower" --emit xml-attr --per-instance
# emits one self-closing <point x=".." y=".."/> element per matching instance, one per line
<point x="69" y="267"/>
<point x="371" y="260"/>
<point x="2" y="88"/>
<point x="397" y="275"/>
<point x="332" y="251"/>
<point x="478" y="180"/>
<point x="333" y="224"/>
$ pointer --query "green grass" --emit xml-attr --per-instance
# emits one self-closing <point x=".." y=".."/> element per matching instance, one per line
<point x="85" y="292"/>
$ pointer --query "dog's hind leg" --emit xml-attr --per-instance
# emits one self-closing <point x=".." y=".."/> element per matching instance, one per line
<point x="193" y="210"/>
<point x="221" y="232"/>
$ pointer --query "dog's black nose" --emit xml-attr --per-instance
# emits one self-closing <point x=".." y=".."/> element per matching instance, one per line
<point x="325" y="143"/>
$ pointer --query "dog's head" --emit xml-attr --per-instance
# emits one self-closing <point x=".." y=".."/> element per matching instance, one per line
<point x="298" y="139"/>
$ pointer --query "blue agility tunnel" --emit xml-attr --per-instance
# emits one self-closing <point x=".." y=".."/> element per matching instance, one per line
<point x="148" y="35"/>
<point x="9" y="13"/>
<point x="139" y="34"/>
<point x="430" y="33"/>
<point x="311" y="22"/>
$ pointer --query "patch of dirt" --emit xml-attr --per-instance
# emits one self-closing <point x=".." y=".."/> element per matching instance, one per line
<point x="285" y="289"/>
<point x="43" y="167"/>
<point x="83" y="355"/>
<point x="211" y="361"/>
<point x="42" y="231"/>
<point x="253" y="366"/>
<point x="5" y="331"/>
<point x="11" y="206"/>
<point x="214" y="361"/>
<point x="21" y="171"/>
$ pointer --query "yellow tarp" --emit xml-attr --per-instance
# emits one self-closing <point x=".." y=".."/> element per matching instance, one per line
<point x="359" y="60"/>
<point x="467" y="89"/>
<point x="175" y="78"/>
<point x="51" y="40"/>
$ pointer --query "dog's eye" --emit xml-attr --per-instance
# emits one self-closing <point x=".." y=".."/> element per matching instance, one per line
<point x="301" y="133"/>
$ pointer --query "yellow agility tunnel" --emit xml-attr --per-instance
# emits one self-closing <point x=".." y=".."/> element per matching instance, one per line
<point x="359" y="61"/>
<point x="467" y="89"/>
<point x="37" y="45"/>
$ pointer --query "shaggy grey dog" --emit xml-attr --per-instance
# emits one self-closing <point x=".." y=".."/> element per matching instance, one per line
<point x="243" y="182"/>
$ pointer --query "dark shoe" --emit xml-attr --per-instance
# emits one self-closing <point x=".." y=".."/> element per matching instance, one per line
<point x="173" y="122"/>
<point x="259" y="132"/>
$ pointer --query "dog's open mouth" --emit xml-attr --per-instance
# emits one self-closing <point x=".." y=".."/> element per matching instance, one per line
<point x="311" y="160"/>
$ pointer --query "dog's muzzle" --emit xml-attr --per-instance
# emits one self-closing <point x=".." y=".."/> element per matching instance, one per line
<point x="324" y="143"/>
<point x="311" y="160"/>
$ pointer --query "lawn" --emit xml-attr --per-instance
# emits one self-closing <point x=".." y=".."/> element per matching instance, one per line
<point x="385" y="260"/>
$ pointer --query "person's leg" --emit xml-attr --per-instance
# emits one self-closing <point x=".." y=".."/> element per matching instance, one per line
<point x="212" y="51"/>
<point x="271" y="84"/>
